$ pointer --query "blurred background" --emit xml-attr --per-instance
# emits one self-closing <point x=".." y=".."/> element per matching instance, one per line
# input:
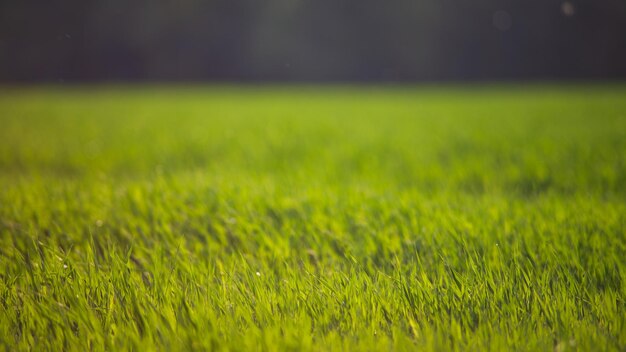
<point x="311" y="40"/>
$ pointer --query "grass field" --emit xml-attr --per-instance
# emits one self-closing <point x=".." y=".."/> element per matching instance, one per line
<point x="313" y="218"/>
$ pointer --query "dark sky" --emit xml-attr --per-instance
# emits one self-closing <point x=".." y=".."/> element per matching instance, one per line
<point x="311" y="40"/>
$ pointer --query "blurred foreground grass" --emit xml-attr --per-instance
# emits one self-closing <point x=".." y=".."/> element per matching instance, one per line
<point x="313" y="218"/>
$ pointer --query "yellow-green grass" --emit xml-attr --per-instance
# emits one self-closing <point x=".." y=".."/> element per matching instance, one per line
<point x="313" y="218"/>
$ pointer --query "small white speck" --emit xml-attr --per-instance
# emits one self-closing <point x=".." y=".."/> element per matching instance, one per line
<point x="258" y="273"/>
<point x="567" y="8"/>
<point x="64" y="266"/>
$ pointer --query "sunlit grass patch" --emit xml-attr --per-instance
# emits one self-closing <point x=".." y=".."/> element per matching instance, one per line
<point x="313" y="218"/>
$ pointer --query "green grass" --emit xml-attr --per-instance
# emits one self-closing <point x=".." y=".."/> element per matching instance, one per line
<point x="313" y="218"/>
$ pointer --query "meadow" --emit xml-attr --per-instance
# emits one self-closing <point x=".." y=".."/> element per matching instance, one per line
<point x="306" y="218"/>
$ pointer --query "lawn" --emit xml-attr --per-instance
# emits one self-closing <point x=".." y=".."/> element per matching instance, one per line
<point x="313" y="218"/>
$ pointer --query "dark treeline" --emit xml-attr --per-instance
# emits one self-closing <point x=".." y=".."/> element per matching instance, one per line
<point x="311" y="40"/>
